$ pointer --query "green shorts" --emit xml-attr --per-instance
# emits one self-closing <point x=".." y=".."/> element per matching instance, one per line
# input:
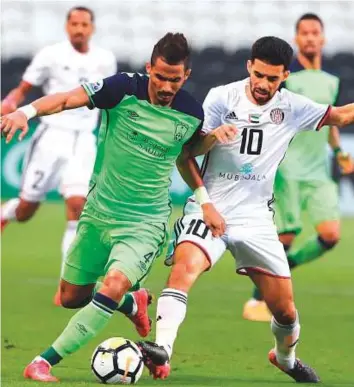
<point x="318" y="198"/>
<point x="99" y="246"/>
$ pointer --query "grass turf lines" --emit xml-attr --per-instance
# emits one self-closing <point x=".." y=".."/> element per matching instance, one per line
<point x="215" y="346"/>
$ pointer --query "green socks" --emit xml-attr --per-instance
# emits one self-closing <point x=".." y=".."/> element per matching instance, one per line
<point x="309" y="251"/>
<point x="127" y="304"/>
<point x="82" y="327"/>
<point x="313" y="248"/>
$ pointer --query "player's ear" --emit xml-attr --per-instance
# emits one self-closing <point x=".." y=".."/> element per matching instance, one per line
<point x="249" y="66"/>
<point x="286" y="75"/>
<point x="187" y="74"/>
<point x="148" y="67"/>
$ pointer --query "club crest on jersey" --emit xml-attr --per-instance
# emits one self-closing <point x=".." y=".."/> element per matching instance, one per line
<point x="180" y="130"/>
<point x="277" y="116"/>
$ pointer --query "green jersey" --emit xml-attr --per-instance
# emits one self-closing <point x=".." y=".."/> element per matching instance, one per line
<point x="307" y="157"/>
<point x="137" y="148"/>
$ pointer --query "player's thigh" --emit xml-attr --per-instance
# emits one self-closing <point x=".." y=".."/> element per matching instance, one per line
<point x="257" y="248"/>
<point x="135" y="246"/>
<point x="88" y="254"/>
<point x="287" y="205"/>
<point x="323" y="201"/>
<point x="78" y="169"/>
<point x="41" y="166"/>
<point x="191" y="228"/>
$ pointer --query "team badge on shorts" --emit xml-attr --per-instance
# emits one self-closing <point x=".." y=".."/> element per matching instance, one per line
<point x="277" y="116"/>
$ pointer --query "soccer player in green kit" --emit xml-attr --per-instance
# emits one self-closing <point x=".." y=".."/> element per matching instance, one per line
<point x="303" y="180"/>
<point x="146" y="122"/>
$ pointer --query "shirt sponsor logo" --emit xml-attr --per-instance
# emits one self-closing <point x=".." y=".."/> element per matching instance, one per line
<point x="147" y="144"/>
<point x="277" y="116"/>
<point x="245" y="173"/>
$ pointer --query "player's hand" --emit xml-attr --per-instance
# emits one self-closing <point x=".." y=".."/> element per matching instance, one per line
<point x="225" y="133"/>
<point x="345" y="163"/>
<point x="213" y="220"/>
<point x="12" y="122"/>
<point x="7" y="106"/>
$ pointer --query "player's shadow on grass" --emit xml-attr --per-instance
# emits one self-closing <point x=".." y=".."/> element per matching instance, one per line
<point x="220" y="381"/>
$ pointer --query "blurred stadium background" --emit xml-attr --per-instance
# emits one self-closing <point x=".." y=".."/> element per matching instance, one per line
<point x="216" y="347"/>
<point x="221" y="33"/>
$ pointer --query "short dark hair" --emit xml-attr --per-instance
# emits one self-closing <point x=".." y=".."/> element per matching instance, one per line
<point x="173" y="48"/>
<point x="272" y="50"/>
<point x="85" y="9"/>
<point x="308" y="16"/>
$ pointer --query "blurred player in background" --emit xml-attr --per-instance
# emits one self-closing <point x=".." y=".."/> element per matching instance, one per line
<point x="303" y="180"/>
<point x="63" y="149"/>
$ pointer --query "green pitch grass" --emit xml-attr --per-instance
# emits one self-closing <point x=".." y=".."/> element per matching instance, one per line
<point x="215" y="347"/>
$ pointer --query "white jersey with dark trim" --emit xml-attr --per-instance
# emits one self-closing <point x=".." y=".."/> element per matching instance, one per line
<point x="239" y="176"/>
<point x="59" y="68"/>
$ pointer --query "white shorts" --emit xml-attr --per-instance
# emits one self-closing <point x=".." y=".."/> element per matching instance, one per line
<point x="59" y="159"/>
<point x="254" y="244"/>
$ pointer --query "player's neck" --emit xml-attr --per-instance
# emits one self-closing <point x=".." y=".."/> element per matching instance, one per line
<point x="314" y="63"/>
<point x="81" y="48"/>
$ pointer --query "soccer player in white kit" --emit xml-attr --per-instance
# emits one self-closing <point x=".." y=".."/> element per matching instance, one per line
<point x="238" y="173"/>
<point x="63" y="149"/>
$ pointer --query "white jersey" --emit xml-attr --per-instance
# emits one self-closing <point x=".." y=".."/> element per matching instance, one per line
<point x="59" y="68"/>
<point x="239" y="176"/>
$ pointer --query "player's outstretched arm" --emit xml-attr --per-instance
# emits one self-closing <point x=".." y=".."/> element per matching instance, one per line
<point x="222" y="134"/>
<point x="44" y="106"/>
<point x="190" y="172"/>
<point x="340" y="115"/>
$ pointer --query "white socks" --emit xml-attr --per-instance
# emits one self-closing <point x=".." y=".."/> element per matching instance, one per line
<point x="171" y="311"/>
<point x="286" y="338"/>
<point x="8" y="209"/>
<point x="68" y="237"/>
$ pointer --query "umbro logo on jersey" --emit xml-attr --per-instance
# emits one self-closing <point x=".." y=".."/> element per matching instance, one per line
<point x="231" y="116"/>
<point x="133" y="115"/>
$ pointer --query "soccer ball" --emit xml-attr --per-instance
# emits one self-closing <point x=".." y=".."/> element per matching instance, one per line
<point x="117" y="361"/>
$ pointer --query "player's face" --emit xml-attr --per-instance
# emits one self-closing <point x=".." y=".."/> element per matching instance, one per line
<point x="79" y="28"/>
<point x="309" y="38"/>
<point x="265" y="80"/>
<point x="165" y="80"/>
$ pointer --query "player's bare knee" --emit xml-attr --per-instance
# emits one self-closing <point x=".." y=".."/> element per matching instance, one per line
<point x="73" y="296"/>
<point x="330" y="237"/>
<point x="287" y="239"/>
<point x="26" y="210"/>
<point x="285" y="313"/>
<point x="115" y="285"/>
<point x="75" y="206"/>
<point x="190" y="260"/>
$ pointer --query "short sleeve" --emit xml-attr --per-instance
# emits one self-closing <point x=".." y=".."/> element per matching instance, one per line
<point x="108" y="92"/>
<point x="213" y="110"/>
<point x="38" y="70"/>
<point x="307" y="114"/>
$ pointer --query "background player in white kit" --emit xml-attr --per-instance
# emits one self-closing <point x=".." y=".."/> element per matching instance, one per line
<point x="63" y="149"/>
<point x="238" y="173"/>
